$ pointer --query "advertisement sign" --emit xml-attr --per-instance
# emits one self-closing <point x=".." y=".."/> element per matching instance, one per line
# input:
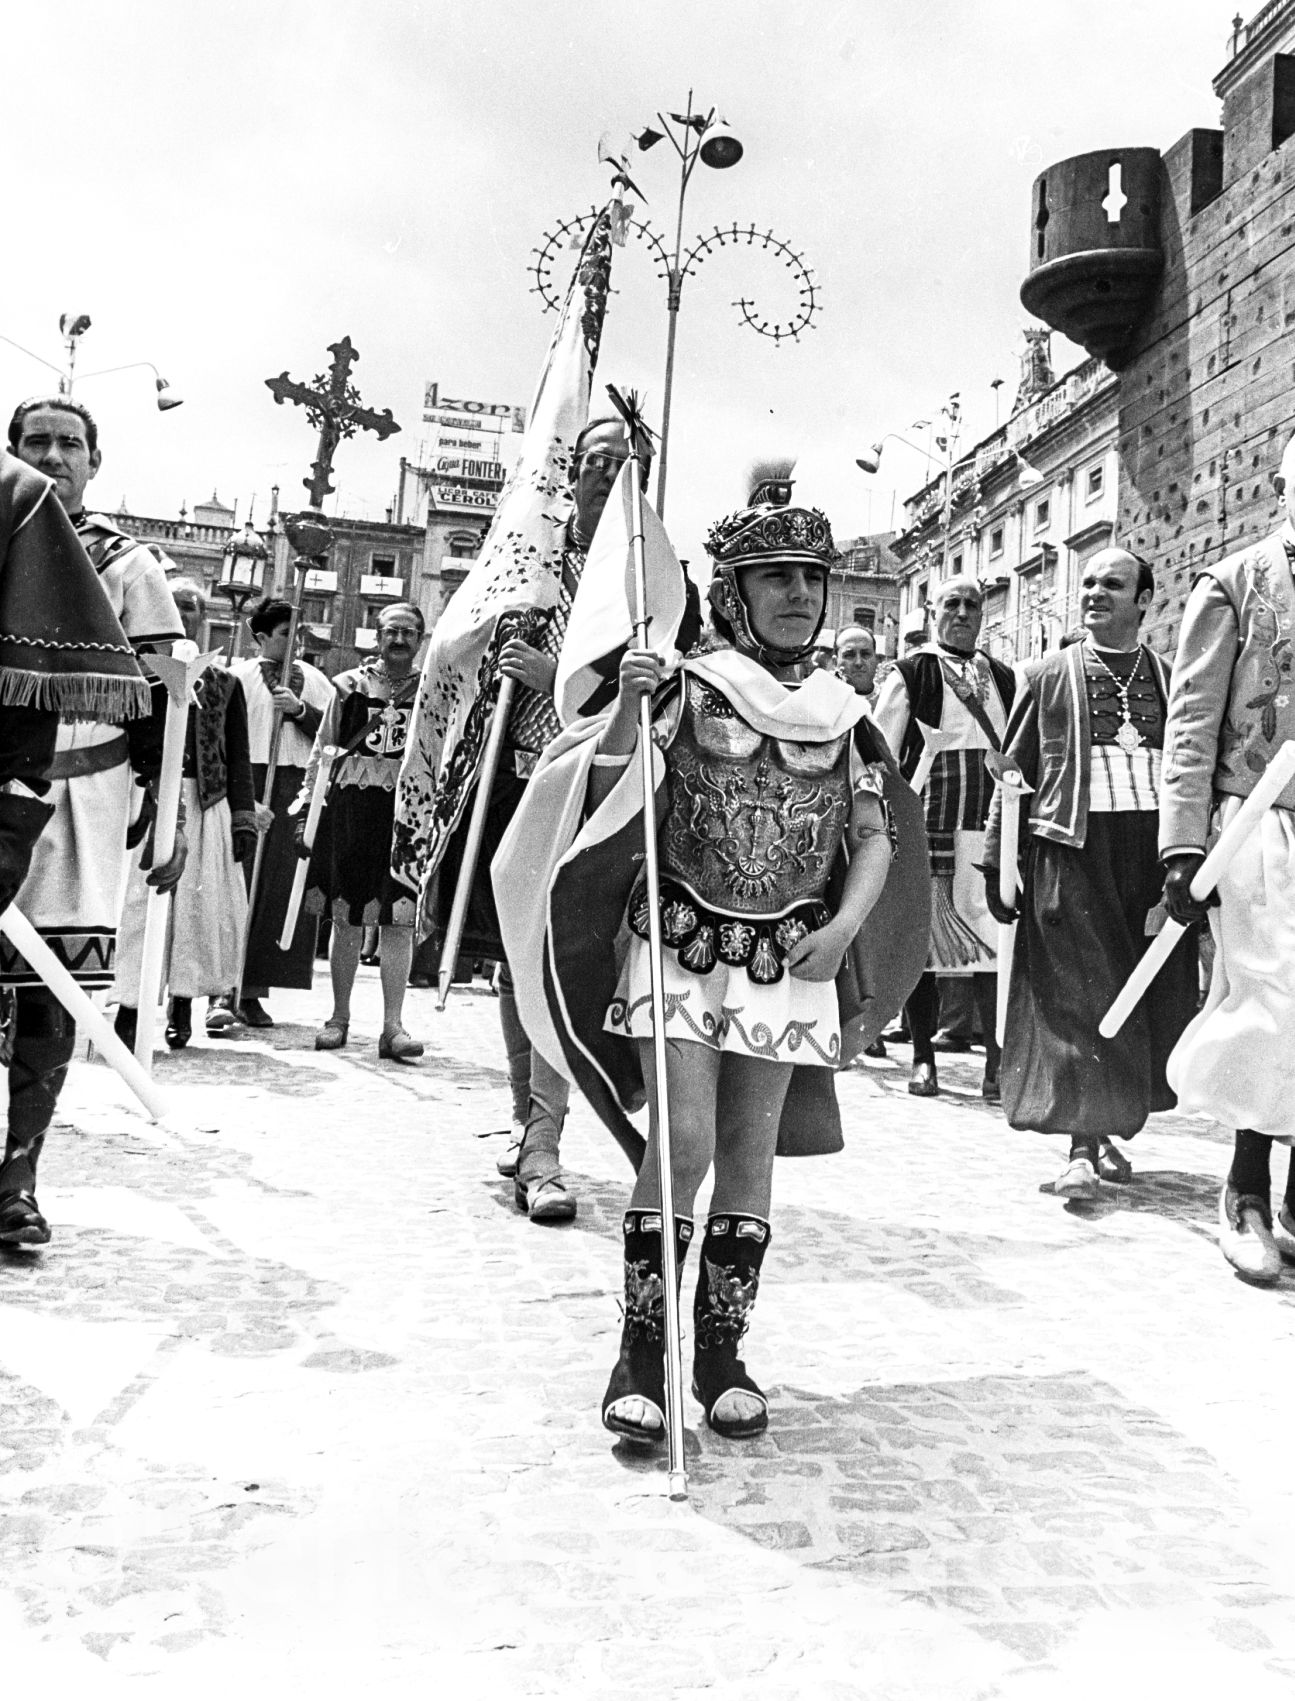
<point x="474" y="415"/>
<point x="461" y="496"/>
<point x="459" y="468"/>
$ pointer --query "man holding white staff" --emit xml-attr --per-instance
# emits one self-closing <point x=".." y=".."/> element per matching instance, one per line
<point x="101" y="597"/>
<point x="209" y="911"/>
<point x="275" y="683"/>
<point x="1231" y="706"/>
<point x="1086" y="731"/>
<point x="957" y="689"/>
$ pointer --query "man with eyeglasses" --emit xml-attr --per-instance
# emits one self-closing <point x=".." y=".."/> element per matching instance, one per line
<point x="539" y="1092"/>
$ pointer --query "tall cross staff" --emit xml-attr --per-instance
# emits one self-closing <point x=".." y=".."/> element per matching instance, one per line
<point x="627" y="407"/>
<point x="333" y="405"/>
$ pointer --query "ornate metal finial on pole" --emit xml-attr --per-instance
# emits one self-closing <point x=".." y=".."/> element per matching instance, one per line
<point x="694" y="136"/>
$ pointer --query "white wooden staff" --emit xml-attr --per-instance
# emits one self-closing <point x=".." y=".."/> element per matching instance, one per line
<point x="678" y="1479"/>
<point x="82" y="1008"/>
<point x="1012" y="789"/>
<point x="304" y="565"/>
<point x="323" y="773"/>
<point x="472" y="843"/>
<point x="1274" y="780"/>
<point x="933" y="742"/>
<point x="179" y="677"/>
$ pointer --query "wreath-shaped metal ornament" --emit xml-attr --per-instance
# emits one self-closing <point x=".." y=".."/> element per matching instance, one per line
<point x="569" y="233"/>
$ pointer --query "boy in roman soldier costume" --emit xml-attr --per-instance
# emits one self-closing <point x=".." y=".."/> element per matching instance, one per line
<point x="779" y="810"/>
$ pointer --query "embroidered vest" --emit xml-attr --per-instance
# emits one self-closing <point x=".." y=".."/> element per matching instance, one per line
<point x="1261" y="703"/>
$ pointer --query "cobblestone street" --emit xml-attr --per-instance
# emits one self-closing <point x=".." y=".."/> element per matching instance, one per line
<point x="296" y="1401"/>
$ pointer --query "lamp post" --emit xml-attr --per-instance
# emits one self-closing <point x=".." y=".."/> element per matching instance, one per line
<point x="694" y="136"/>
<point x="242" y="570"/>
<point x="72" y="327"/>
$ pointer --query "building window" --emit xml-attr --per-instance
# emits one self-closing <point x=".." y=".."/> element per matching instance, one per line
<point x="1043" y="514"/>
<point x="385" y="565"/>
<point x="462" y="545"/>
<point x="956" y="566"/>
<point x="1095" y="483"/>
<point x="865" y="616"/>
<point x="996" y="542"/>
<point x="316" y="611"/>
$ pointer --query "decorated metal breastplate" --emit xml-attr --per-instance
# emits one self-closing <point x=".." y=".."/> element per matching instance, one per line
<point x="752" y="829"/>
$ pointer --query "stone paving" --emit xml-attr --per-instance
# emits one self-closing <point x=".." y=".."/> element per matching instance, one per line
<point x="295" y="1397"/>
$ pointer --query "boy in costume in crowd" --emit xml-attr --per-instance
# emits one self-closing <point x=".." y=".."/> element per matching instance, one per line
<point x="767" y="781"/>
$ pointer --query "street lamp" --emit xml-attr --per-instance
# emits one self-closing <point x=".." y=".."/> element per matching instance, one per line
<point x="241" y="572"/>
<point x="72" y="327"/>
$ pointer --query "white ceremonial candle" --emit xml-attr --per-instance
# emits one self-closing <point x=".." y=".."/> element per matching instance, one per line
<point x="157" y="913"/>
<point x="1010" y="786"/>
<point x="1273" y="781"/>
<point x="24" y="937"/>
<point x="322" y="776"/>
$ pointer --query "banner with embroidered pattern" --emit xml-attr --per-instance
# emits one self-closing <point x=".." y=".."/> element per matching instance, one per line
<point x="517" y="574"/>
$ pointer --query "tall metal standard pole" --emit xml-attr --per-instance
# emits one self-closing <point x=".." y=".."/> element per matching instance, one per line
<point x="687" y="161"/>
<point x="678" y="1478"/>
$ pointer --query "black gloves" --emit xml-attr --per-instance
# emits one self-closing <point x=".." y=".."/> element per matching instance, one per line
<point x="1002" y="913"/>
<point x="1180" y="870"/>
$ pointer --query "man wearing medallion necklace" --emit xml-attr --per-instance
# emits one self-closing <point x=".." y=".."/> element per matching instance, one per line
<point x="1231" y="708"/>
<point x="367" y="720"/>
<point x="954" y="687"/>
<point x="1086" y="731"/>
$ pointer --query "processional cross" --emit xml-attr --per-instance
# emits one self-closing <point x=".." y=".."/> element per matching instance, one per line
<point x="333" y="404"/>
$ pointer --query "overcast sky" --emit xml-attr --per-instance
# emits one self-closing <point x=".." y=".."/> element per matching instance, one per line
<point x="228" y="187"/>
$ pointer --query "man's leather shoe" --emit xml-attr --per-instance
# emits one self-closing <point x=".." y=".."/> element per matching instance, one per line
<point x="21" y="1222"/>
<point x="1246" y="1237"/>
<point x="124" y="1025"/>
<point x="255" y="1014"/>
<point x="947" y="1040"/>
<point x="179" y="1023"/>
<point x="990" y="1090"/>
<point x="922" y="1083"/>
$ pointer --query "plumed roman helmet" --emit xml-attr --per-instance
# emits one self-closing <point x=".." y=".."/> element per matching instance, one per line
<point x="767" y="531"/>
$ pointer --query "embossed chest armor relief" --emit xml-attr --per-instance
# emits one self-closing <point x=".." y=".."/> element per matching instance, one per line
<point x="751" y="831"/>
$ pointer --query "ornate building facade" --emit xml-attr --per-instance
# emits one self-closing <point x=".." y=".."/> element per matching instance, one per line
<point x="1021" y="511"/>
<point x="1176" y="271"/>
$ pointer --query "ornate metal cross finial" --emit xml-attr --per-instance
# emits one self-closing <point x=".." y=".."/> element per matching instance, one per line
<point x="332" y="403"/>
